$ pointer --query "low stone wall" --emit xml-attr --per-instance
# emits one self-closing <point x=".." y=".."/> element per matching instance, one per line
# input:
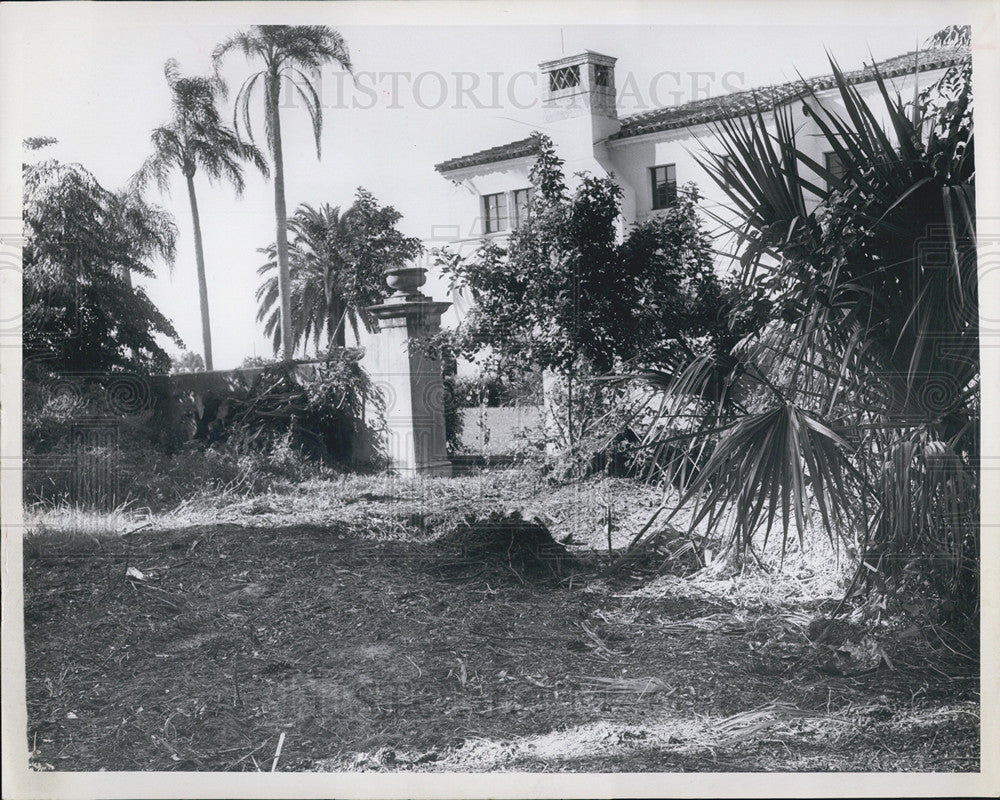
<point x="197" y="405"/>
<point x="207" y="391"/>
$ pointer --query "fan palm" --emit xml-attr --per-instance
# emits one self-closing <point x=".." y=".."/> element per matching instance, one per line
<point x="194" y="138"/>
<point x="862" y="401"/>
<point x="286" y="51"/>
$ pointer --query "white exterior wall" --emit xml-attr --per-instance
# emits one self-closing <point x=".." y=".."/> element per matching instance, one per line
<point x="465" y="228"/>
<point x="632" y="159"/>
<point x="629" y="161"/>
<point x="473" y="183"/>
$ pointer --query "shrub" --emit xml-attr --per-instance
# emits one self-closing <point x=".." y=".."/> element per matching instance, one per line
<point x="331" y="413"/>
<point x="495" y="390"/>
<point x="586" y="428"/>
<point x="289" y="423"/>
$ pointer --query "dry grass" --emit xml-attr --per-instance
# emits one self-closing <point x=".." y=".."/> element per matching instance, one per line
<point x="389" y="507"/>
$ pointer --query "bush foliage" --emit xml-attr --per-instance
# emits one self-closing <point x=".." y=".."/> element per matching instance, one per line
<point x="322" y="412"/>
<point x="146" y="443"/>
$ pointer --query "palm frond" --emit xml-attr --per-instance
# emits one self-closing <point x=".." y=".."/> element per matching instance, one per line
<point x="851" y="405"/>
<point x="313" y="106"/>
<point x="283" y="49"/>
<point x="241" y="108"/>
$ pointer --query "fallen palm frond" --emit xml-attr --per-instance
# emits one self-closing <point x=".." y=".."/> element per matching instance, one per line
<point x="747" y="724"/>
<point x="658" y="549"/>
<point x="599" y="645"/>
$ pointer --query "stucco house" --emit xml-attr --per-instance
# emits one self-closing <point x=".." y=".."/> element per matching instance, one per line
<point x="649" y="154"/>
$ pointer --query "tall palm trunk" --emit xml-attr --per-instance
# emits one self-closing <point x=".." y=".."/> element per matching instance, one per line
<point x="340" y="334"/>
<point x="199" y="254"/>
<point x="281" y="237"/>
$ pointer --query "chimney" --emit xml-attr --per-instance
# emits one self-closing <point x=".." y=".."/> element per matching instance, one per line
<point x="579" y="111"/>
<point x="581" y="86"/>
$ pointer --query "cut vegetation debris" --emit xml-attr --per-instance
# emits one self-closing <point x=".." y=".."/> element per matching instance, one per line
<point x="640" y="686"/>
<point x="409" y="628"/>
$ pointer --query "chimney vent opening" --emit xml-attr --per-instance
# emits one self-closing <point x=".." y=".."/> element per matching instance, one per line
<point x="565" y="78"/>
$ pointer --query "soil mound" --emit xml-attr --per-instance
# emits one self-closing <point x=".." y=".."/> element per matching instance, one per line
<point x="498" y="538"/>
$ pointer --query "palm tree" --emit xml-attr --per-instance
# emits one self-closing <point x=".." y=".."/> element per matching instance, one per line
<point x="320" y="240"/>
<point x="194" y="138"/>
<point x="860" y="400"/>
<point x="286" y="51"/>
<point x="337" y="262"/>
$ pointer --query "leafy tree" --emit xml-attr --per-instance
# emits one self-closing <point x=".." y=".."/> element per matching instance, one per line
<point x="194" y="138"/>
<point x="337" y="264"/>
<point x="671" y="297"/>
<point x="374" y="244"/>
<point x="82" y="243"/>
<point x="563" y="290"/>
<point x="562" y="294"/>
<point x="287" y="51"/>
<point x="528" y="292"/>
<point x="862" y="400"/>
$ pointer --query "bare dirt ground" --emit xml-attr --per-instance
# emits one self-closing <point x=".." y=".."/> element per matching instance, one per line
<point x="373" y="644"/>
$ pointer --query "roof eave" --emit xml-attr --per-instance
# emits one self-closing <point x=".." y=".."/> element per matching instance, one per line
<point x="469" y="170"/>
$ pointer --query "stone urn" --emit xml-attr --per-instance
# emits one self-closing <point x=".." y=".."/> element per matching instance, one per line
<point x="406" y="280"/>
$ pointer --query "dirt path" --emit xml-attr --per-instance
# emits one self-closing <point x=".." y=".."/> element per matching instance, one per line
<point x="399" y="656"/>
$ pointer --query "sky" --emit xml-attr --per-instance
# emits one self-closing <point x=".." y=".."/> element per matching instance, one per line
<point x="432" y="84"/>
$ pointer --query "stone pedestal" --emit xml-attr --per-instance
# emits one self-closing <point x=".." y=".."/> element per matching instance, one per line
<point x="410" y="381"/>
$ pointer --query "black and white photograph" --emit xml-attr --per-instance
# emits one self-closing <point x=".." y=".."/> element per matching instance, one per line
<point x="481" y="399"/>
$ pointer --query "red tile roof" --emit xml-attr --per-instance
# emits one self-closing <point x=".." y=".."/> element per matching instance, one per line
<point x="713" y="109"/>
<point x="736" y="104"/>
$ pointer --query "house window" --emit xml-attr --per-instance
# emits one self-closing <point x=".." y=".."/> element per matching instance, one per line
<point x="664" y="183"/>
<point x="602" y="75"/>
<point x="834" y="165"/>
<point x="494" y="212"/>
<point x="522" y="207"/>
<point x="565" y="78"/>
